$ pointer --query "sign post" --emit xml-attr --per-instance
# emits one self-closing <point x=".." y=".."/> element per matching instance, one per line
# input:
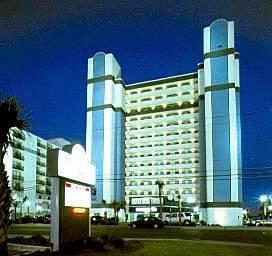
<point x="70" y="196"/>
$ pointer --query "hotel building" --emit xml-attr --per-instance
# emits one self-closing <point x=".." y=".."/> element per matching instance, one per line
<point x="26" y="167"/>
<point x="182" y="131"/>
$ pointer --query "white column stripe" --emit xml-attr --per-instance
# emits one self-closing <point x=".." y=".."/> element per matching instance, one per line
<point x="209" y="146"/>
<point x="233" y="145"/>
<point x="231" y="34"/>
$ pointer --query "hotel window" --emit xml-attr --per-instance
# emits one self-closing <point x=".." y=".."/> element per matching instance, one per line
<point x="171" y="86"/>
<point x="146" y="90"/>
<point x="158" y="88"/>
<point x="133" y="101"/>
<point x="146" y="99"/>
<point x="158" y="97"/>
<point x="134" y="92"/>
<point x="185" y="93"/>
<point x="171" y="95"/>
<point x="185" y="83"/>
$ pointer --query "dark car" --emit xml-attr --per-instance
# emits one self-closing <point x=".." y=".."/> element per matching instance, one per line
<point x="147" y="222"/>
<point x="97" y="220"/>
<point x="42" y="219"/>
<point x="27" y="219"/>
<point x="111" y="221"/>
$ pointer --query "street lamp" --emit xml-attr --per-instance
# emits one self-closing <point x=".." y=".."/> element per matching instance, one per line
<point x="179" y="208"/>
<point x="190" y="201"/>
<point x="39" y="209"/>
<point x="15" y="204"/>
<point x="170" y="198"/>
<point x="27" y="204"/>
<point x="263" y="199"/>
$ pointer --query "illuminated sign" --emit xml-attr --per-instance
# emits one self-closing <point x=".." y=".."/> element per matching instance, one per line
<point x="77" y="195"/>
<point x="146" y="209"/>
<point x="75" y="166"/>
<point x="145" y="200"/>
<point x="79" y="210"/>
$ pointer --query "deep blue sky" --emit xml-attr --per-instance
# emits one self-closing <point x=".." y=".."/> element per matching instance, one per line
<point x="44" y="46"/>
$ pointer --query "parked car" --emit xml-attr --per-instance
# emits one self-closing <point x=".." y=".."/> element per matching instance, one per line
<point x="42" y="219"/>
<point x="147" y="222"/>
<point x="100" y="220"/>
<point x="27" y="219"/>
<point x="186" y="219"/>
<point x="97" y="220"/>
<point x="250" y="222"/>
<point x="260" y="221"/>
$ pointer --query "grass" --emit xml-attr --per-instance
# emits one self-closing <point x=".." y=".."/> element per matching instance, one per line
<point x="242" y="236"/>
<point x="179" y="248"/>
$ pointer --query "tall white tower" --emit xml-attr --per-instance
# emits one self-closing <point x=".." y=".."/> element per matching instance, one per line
<point x="220" y="133"/>
<point x="105" y="126"/>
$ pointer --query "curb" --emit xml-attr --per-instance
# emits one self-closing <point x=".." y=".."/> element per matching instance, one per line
<point x="28" y="248"/>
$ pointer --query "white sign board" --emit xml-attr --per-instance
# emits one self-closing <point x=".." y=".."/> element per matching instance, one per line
<point x="145" y="200"/>
<point x="77" y="195"/>
<point x="75" y="166"/>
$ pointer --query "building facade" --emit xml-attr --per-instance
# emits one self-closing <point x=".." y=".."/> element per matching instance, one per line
<point x="25" y="163"/>
<point x="182" y="132"/>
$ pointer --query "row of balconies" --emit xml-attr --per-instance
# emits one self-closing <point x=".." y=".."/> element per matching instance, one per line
<point x="17" y="177"/>
<point x="18" y="166"/>
<point x="152" y="93"/>
<point x="162" y="102"/>
<point x="162" y="167"/>
<point x="162" y="140"/>
<point x="42" y="144"/>
<point x="162" y="163"/>
<point x="18" y="134"/>
<point x="160" y="175"/>
<point x="160" y="128"/>
<point x="174" y="147"/>
<point x="164" y="136"/>
<point x="167" y="119"/>
<point x="168" y="192"/>
<point x="18" y="155"/>
<point x="17" y="185"/>
<point x="161" y="156"/>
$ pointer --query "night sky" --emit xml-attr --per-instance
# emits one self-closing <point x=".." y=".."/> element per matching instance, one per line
<point x="44" y="47"/>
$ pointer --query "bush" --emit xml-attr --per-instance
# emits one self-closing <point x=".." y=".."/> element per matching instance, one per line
<point x="117" y="242"/>
<point x="38" y="240"/>
<point x="203" y="223"/>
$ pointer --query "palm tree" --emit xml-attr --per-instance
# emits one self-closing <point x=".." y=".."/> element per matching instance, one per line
<point x="9" y="116"/>
<point x="160" y="185"/>
<point x="117" y="206"/>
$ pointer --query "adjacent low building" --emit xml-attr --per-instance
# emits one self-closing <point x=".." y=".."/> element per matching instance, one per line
<point x="26" y="165"/>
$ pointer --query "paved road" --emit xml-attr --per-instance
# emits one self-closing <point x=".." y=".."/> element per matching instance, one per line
<point x="44" y="229"/>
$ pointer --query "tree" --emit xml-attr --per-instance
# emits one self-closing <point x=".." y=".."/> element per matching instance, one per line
<point x="160" y="185"/>
<point x="9" y="116"/>
<point x="117" y="206"/>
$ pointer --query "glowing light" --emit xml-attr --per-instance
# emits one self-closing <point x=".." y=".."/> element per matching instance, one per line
<point x="196" y="209"/>
<point x="79" y="210"/>
<point x="269" y="207"/>
<point x="77" y="195"/>
<point x="190" y="200"/>
<point x="263" y="198"/>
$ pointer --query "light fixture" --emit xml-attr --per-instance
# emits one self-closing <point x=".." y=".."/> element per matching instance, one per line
<point x="263" y="198"/>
